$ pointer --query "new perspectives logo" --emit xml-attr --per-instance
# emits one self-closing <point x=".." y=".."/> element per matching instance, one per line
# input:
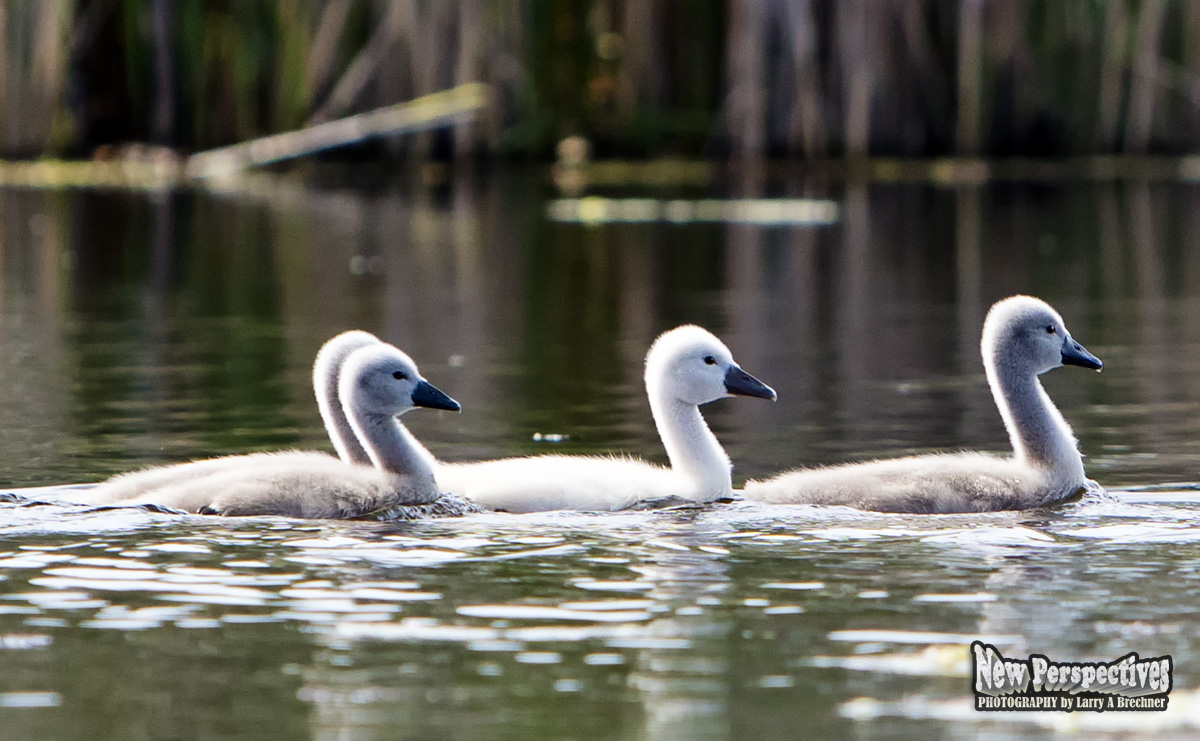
<point x="1037" y="683"/>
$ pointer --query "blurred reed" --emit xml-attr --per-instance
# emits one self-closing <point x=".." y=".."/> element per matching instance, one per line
<point x="748" y="78"/>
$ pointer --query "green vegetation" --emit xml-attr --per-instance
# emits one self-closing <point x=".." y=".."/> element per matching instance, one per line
<point x="640" y="78"/>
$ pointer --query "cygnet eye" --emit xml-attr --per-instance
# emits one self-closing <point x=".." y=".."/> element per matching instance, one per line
<point x="710" y="360"/>
<point x="1050" y="329"/>
<point x="400" y="376"/>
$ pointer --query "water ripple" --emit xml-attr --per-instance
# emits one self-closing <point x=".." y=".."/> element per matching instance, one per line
<point x="534" y="612"/>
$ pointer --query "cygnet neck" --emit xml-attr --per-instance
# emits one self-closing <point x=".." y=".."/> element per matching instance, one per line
<point x="393" y="449"/>
<point x="1041" y="437"/>
<point x="691" y="446"/>
<point x="326" y="369"/>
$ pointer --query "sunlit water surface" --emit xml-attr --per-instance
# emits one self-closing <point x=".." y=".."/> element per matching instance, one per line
<point x="145" y="329"/>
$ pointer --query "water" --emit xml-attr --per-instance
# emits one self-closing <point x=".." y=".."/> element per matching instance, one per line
<point x="146" y="328"/>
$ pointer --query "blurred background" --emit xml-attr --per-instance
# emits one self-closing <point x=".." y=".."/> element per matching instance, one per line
<point x="819" y="182"/>
<point x="793" y="175"/>
<point x="643" y="78"/>
<point x="839" y="189"/>
<point x="646" y="164"/>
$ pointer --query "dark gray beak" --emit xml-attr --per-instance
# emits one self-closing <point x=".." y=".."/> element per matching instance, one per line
<point x="428" y="395"/>
<point x="738" y="381"/>
<point x="1074" y="353"/>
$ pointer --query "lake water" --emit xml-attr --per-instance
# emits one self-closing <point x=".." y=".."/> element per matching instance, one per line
<point x="142" y="328"/>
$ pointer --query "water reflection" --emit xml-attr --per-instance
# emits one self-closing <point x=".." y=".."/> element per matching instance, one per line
<point x="142" y="329"/>
<point x="690" y="624"/>
<point x="155" y="337"/>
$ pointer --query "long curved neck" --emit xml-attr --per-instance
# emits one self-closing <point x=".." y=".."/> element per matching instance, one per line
<point x="393" y="449"/>
<point x="692" y="447"/>
<point x="341" y="433"/>
<point x="1040" y="436"/>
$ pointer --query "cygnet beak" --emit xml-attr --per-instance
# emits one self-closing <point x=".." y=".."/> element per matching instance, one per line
<point x="1074" y="353"/>
<point x="738" y="381"/>
<point x="428" y="395"/>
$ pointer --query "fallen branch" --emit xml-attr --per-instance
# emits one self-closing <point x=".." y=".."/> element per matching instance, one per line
<point x="421" y="114"/>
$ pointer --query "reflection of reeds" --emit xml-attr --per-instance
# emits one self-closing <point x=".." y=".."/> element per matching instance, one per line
<point x="33" y="73"/>
<point x="803" y="78"/>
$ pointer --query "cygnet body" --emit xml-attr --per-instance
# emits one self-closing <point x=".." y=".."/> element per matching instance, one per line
<point x="685" y="367"/>
<point x="378" y="383"/>
<point x="326" y="371"/>
<point x="1023" y="337"/>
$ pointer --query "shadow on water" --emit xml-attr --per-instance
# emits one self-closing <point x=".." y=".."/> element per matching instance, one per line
<point x="143" y="329"/>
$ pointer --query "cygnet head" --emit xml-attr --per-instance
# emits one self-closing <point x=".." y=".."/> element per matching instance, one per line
<point x="1027" y="335"/>
<point x="379" y="379"/>
<point x="332" y="356"/>
<point x="689" y="364"/>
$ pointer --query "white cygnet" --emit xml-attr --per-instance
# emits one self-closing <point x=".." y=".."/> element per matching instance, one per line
<point x="378" y="383"/>
<point x="326" y="370"/>
<point x="1023" y="337"/>
<point x="685" y="367"/>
